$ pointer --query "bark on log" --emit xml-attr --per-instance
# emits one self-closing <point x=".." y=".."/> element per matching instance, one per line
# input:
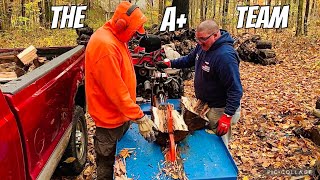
<point x="266" y="53"/>
<point x="251" y="48"/>
<point x="191" y="109"/>
<point x="193" y="121"/>
<point x="313" y="134"/>
<point x="160" y="119"/>
<point x="263" y="44"/>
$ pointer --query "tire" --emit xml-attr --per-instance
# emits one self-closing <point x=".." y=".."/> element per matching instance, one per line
<point x="75" y="156"/>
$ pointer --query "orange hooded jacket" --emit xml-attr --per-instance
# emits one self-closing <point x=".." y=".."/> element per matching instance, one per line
<point x="110" y="79"/>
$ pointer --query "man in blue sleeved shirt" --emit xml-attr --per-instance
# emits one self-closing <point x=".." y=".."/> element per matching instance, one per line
<point x="217" y="78"/>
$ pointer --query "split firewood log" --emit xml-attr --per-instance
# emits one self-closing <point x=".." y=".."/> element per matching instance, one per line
<point x="170" y="51"/>
<point x="180" y="128"/>
<point x="28" y="55"/>
<point x="192" y="108"/>
<point x="7" y="76"/>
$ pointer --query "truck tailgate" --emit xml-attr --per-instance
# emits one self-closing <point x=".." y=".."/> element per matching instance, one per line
<point x="11" y="154"/>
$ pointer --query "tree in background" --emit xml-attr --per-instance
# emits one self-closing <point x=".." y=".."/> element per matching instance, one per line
<point x="299" y="19"/>
<point x="182" y="8"/>
<point x="225" y="14"/>
<point x="161" y="10"/>
<point x="305" y="23"/>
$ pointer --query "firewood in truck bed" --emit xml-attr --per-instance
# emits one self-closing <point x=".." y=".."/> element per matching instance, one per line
<point x="12" y="67"/>
<point x="28" y="55"/>
<point x="7" y="76"/>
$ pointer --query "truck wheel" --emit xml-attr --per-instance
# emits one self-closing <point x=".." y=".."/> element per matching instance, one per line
<point x="75" y="156"/>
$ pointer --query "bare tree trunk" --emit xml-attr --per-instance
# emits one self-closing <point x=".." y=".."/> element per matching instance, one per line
<point x="196" y="12"/>
<point x="9" y="10"/>
<point x="225" y="14"/>
<point x="150" y="7"/>
<point x="87" y="3"/>
<point x="220" y="5"/>
<point x="161" y="8"/>
<point x="214" y="8"/>
<point x="2" y="13"/>
<point x="201" y="10"/>
<point x="191" y="12"/>
<point x="316" y="10"/>
<point x="23" y="9"/>
<point x="312" y="8"/>
<point x="182" y="8"/>
<point x="47" y="12"/>
<point x="299" y="19"/>
<point x="233" y="15"/>
<point x="279" y="30"/>
<point x="306" y="15"/>
<point x="206" y="9"/>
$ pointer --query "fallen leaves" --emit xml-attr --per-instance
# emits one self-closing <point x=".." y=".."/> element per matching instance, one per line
<point x="119" y="168"/>
<point x="275" y="101"/>
<point x="69" y="160"/>
<point x="126" y="152"/>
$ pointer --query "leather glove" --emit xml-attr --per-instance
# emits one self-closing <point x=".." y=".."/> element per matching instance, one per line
<point x="163" y="64"/>
<point x="223" y="125"/>
<point x="146" y="128"/>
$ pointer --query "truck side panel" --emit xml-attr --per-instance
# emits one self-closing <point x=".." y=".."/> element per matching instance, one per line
<point x="44" y="107"/>
<point x="11" y="154"/>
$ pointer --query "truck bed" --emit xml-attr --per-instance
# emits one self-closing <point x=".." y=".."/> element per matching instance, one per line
<point x="11" y="67"/>
<point x="42" y="102"/>
<point x="50" y="53"/>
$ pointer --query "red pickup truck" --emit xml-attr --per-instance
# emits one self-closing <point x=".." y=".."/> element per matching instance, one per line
<point x="42" y="118"/>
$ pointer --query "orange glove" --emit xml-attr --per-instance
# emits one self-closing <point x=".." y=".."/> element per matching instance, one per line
<point x="223" y="125"/>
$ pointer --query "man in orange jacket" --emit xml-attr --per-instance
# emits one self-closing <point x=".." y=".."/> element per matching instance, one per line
<point x="111" y="85"/>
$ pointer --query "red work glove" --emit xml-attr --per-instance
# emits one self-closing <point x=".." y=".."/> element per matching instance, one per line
<point x="164" y="64"/>
<point x="223" y="125"/>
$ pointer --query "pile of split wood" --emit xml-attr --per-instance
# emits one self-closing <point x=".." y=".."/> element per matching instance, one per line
<point x="183" y="39"/>
<point x="251" y="48"/>
<point x="84" y="35"/>
<point x="183" y="124"/>
<point x="14" y="64"/>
